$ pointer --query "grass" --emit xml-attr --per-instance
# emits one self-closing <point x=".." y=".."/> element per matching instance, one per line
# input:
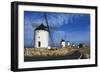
<point x="85" y="51"/>
<point x="47" y="52"/>
<point x="56" y="51"/>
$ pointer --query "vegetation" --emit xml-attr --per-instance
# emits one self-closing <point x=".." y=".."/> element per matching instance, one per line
<point x="47" y="52"/>
<point x="85" y="51"/>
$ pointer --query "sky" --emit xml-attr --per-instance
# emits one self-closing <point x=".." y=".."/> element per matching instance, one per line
<point x="73" y="27"/>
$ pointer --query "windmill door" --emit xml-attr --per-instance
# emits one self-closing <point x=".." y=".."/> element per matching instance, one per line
<point x="39" y="44"/>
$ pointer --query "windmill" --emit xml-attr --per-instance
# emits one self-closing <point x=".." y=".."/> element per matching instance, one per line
<point x="45" y="16"/>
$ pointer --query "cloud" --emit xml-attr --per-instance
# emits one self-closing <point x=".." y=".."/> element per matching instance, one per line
<point x="54" y="19"/>
<point x="59" y="19"/>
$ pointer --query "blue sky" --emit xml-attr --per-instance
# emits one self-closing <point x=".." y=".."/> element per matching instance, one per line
<point x="73" y="27"/>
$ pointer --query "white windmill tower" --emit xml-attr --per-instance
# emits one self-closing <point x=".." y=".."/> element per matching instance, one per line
<point x="41" y="37"/>
<point x="63" y="44"/>
<point x="42" y="34"/>
<point x="68" y="43"/>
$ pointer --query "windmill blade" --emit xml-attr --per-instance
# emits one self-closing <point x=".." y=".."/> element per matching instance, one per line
<point x="32" y="23"/>
<point x="48" y="28"/>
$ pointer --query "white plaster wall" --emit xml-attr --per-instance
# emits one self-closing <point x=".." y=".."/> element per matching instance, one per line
<point x="68" y="43"/>
<point x="42" y="36"/>
<point x="63" y="44"/>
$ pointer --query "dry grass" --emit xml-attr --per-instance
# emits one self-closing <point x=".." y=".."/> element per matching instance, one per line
<point x="85" y="51"/>
<point x="47" y="52"/>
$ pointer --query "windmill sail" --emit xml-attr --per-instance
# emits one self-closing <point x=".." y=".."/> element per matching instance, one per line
<point x="46" y="20"/>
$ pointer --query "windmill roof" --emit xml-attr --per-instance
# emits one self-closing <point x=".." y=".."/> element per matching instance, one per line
<point x="62" y="40"/>
<point x="42" y="27"/>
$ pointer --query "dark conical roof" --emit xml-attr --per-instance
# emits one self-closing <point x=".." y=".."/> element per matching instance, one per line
<point x="62" y="40"/>
<point x="42" y="27"/>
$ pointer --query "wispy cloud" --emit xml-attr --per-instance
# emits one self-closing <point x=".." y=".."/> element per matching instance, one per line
<point x="54" y="19"/>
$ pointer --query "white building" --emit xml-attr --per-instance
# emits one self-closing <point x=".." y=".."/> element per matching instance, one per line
<point x="68" y="43"/>
<point x="63" y="43"/>
<point x="41" y="37"/>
